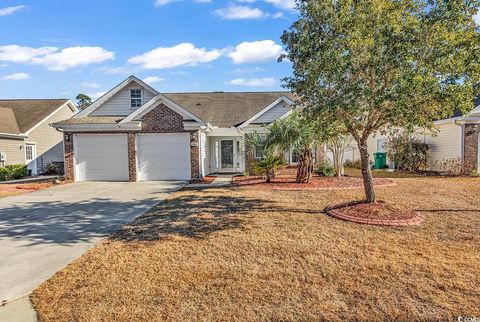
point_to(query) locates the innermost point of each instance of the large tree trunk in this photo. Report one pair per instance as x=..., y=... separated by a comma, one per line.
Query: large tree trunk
x=305, y=166
x=366, y=173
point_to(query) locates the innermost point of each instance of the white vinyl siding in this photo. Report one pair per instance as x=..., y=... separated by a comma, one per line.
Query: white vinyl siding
x=14, y=149
x=445, y=145
x=120, y=103
x=163, y=156
x=49, y=141
x=102, y=157
x=204, y=154
x=272, y=114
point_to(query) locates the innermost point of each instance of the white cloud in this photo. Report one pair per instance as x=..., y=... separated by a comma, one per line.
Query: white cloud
x=159, y=3
x=233, y=12
x=90, y=85
x=256, y=82
x=278, y=15
x=54, y=59
x=203, y=1
x=21, y=54
x=16, y=76
x=152, y=79
x=74, y=56
x=96, y=95
x=10, y=10
x=256, y=51
x=118, y=70
x=282, y=4
x=178, y=55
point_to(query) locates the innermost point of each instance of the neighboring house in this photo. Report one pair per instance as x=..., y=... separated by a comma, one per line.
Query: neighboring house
x=26, y=136
x=135, y=133
x=455, y=138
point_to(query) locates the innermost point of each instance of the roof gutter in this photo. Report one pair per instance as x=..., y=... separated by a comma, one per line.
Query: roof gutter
x=97, y=127
x=13, y=136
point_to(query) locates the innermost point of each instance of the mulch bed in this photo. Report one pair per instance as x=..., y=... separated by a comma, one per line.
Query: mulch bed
x=376, y=213
x=205, y=180
x=285, y=180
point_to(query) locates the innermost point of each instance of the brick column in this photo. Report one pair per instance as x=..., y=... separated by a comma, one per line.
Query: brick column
x=68, y=156
x=195, y=155
x=470, y=147
x=132, y=157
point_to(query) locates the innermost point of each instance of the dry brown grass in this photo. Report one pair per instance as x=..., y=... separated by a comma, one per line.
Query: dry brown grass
x=236, y=255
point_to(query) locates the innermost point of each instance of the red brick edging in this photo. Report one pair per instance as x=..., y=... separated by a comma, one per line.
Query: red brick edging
x=332, y=210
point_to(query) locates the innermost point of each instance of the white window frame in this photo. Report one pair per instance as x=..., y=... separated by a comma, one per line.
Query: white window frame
x=136, y=98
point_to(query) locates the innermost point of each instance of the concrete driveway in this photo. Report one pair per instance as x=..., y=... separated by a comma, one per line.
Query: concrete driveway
x=41, y=232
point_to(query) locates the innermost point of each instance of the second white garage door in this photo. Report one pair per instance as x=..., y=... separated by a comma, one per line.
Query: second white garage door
x=163, y=156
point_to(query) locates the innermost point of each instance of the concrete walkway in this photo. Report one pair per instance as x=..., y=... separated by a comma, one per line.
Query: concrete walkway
x=43, y=231
x=222, y=180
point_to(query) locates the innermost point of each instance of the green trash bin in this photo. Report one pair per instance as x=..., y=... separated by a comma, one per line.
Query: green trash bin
x=380, y=160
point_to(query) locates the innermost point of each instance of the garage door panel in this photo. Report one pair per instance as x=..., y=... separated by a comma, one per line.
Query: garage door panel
x=163, y=156
x=101, y=157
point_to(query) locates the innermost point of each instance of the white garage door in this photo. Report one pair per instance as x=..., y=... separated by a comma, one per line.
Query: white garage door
x=101, y=157
x=163, y=156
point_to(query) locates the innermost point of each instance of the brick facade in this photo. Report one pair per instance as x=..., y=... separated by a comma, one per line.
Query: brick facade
x=195, y=155
x=132, y=157
x=159, y=120
x=470, y=147
x=68, y=155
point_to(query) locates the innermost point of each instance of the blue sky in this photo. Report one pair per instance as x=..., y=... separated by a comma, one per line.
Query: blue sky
x=60, y=48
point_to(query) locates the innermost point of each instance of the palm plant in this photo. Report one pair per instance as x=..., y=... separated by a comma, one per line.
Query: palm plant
x=268, y=165
x=299, y=133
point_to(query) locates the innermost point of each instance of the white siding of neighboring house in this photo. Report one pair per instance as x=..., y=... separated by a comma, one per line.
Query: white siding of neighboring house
x=445, y=145
x=119, y=104
x=48, y=140
x=204, y=154
x=272, y=114
x=15, y=150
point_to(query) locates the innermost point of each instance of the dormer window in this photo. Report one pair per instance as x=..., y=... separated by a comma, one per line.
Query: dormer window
x=135, y=98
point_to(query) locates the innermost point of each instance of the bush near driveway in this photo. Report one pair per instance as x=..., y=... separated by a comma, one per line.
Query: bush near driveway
x=242, y=255
x=13, y=171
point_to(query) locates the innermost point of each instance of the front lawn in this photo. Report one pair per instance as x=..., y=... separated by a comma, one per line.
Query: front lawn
x=239, y=254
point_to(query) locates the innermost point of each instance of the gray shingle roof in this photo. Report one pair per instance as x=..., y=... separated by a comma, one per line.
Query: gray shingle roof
x=93, y=120
x=226, y=109
x=20, y=115
x=222, y=109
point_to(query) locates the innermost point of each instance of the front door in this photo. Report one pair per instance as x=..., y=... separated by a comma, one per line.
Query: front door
x=31, y=158
x=227, y=156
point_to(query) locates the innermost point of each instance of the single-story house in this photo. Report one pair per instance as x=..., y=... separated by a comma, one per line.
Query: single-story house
x=135, y=133
x=26, y=136
x=455, y=138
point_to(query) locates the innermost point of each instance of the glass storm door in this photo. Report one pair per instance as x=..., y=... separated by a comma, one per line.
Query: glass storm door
x=227, y=155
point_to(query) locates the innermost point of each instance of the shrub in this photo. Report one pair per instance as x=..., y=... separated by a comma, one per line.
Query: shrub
x=357, y=164
x=54, y=168
x=16, y=171
x=407, y=152
x=3, y=174
x=268, y=165
x=474, y=173
x=325, y=169
x=451, y=166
